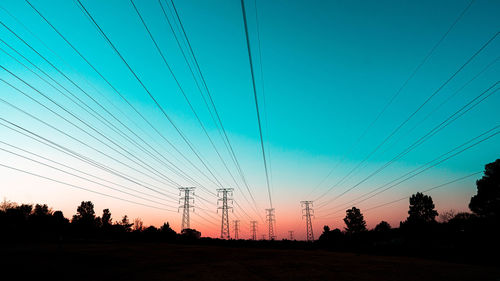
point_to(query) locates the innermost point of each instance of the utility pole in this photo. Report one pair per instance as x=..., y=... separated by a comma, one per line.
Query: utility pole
x=236, y=228
x=224, y=195
x=270, y=220
x=253, y=228
x=188, y=203
x=290, y=232
x=308, y=212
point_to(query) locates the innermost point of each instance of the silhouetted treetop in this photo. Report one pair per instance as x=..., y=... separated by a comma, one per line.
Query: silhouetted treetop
x=190, y=234
x=167, y=231
x=486, y=203
x=382, y=226
x=42, y=210
x=421, y=209
x=125, y=223
x=354, y=221
x=106, y=218
x=85, y=212
x=326, y=229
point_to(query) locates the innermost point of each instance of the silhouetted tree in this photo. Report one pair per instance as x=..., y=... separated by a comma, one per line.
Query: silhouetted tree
x=190, y=234
x=85, y=218
x=150, y=229
x=5, y=204
x=486, y=203
x=41, y=219
x=331, y=238
x=106, y=220
x=125, y=224
x=59, y=218
x=85, y=212
x=16, y=219
x=461, y=221
x=138, y=224
x=354, y=221
x=167, y=232
x=446, y=216
x=383, y=226
x=326, y=229
x=421, y=210
x=24, y=210
x=42, y=210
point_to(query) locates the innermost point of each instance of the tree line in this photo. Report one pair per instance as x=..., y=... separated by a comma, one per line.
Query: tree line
x=39, y=222
x=466, y=234
x=472, y=235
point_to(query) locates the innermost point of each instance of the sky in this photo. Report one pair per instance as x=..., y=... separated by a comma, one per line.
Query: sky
x=324, y=71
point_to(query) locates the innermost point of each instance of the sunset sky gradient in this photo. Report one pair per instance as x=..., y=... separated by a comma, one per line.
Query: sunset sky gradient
x=328, y=68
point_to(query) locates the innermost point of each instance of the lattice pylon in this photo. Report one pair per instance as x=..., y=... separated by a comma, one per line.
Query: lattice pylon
x=270, y=218
x=187, y=204
x=253, y=229
x=225, y=196
x=308, y=213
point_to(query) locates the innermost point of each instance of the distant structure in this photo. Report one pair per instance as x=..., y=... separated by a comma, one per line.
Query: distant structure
x=253, y=229
x=225, y=196
x=270, y=220
x=263, y=237
x=236, y=224
x=188, y=203
x=290, y=233
x=308, y=212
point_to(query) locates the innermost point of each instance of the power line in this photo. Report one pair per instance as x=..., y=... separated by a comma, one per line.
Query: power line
x=266, y=116
x=398, y=92
x=415, y=112
x=78, y=156
x=125, y=100
x=460, y=112
x=83, y=188
x=180, y=87
x=226, y=139
x=448, y=99
x=184, y=138
x=106, y=124
x=183, y=93
x=97, y=90
x=437, y=163
x=80, y=177
x=425, y=191
x=148, y=167
x=80, y=171
x=69, y=112
x=256, y=101
x=423, y=165
x=128, y=103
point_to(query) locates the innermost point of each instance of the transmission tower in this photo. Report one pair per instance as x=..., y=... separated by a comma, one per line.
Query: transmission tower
x=253, y=228
x=271, y=221
x=308, y=212
x=188, y=203
x=224, y=195
x=236, y=224
x=290, y=232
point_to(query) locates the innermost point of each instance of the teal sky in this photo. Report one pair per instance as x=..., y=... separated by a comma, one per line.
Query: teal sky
x=328, y=68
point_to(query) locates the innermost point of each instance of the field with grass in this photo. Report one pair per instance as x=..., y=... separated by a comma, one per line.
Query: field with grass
x=160, y=261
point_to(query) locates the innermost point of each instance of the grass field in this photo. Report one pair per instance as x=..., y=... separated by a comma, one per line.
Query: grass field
x=158, y=261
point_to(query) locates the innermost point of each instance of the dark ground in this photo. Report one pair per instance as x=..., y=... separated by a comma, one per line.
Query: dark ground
x=159, y=261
